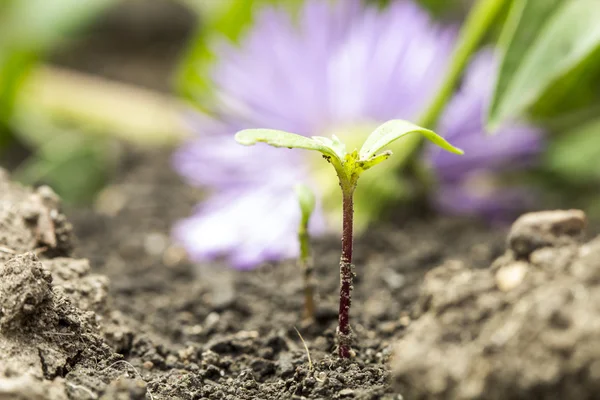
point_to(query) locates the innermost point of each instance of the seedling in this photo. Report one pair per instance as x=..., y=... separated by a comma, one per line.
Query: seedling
x=348, y=166
x=306, y=198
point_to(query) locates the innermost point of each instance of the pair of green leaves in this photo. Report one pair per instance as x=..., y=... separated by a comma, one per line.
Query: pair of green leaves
x=348, y=166
x=544, y=42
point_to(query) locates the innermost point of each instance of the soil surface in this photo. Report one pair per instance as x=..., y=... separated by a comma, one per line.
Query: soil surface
x=441, y=308
x=99, y=304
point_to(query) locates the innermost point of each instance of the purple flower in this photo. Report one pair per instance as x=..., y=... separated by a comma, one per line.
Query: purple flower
x=337, y=66
x=469, y=184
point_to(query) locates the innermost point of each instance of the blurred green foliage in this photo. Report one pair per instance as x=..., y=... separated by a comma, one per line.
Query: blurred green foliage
x=523, y=25
x=570, y=171
x=550, y=70
x=75, y=165
x=575, y=156
x=29, y=30
x=546, y=44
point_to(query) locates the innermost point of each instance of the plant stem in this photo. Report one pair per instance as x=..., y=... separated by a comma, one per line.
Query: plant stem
x=346, y=275
x=307, y=271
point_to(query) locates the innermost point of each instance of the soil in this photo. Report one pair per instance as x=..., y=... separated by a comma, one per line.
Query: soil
x=441, y=309
x=99, y=304
x=237, y=330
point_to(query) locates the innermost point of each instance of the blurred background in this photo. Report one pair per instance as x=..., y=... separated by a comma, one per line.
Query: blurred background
x=78, y=80
x=81, y=82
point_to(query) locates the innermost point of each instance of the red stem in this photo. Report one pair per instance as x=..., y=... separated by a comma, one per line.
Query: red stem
x=346, y=276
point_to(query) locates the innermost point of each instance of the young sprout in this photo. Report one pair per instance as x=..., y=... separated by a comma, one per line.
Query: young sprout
x=306, y=198
x=348, y=166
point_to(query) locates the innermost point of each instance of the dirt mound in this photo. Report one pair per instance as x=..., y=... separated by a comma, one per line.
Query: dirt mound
x=528, y=327
x=51, y=309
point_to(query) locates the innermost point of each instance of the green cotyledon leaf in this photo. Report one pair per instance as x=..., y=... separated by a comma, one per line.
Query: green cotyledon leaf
x=393, y=130
x=276, y=138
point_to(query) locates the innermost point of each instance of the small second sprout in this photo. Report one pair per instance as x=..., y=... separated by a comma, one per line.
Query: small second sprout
x=306, y=198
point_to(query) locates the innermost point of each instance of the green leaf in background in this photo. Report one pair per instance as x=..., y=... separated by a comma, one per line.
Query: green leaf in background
x=76, y=177
x=525, y=21
x=76, y=166
x=566, y=33
x=28, y=30
x=219, y=19
x=573, y=99
x=575, y=155
x=73, y=164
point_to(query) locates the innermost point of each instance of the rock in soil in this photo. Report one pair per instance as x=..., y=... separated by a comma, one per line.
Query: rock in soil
x=518, y=330
x=546, y=228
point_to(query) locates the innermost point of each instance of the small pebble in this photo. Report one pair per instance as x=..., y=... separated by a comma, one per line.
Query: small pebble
x=148, y=364
x=393, y=279
x=511, y=276
x=171, y=360
x=387, y=327
x=155, y=243
x=211, y=320
x=404, y=320
x=321, y=377
x=545, y=228
x=174, y=255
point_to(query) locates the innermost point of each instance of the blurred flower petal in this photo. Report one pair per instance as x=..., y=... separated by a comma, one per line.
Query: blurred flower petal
x=245, y=226
x=514, y=146
x=341, y=64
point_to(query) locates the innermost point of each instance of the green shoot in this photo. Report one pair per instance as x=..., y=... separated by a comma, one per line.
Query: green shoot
x=348, y=167
x=306, y=198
